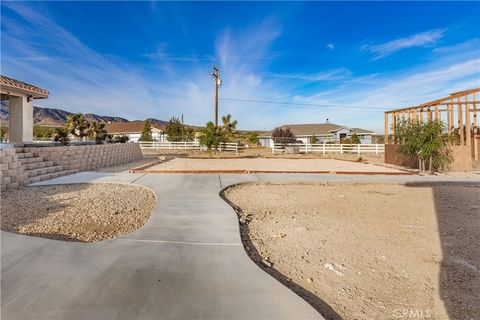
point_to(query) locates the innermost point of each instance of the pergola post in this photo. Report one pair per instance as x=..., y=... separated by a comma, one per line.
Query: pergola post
x=467, y=123
x=21, y=119
x=20, y=96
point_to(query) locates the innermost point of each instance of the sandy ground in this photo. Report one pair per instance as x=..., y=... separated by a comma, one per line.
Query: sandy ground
x=368, y=251
x=260, y=152
x=78, y=212
x=268, y=165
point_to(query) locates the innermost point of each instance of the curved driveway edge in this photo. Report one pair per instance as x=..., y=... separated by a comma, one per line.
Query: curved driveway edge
x=187, y=262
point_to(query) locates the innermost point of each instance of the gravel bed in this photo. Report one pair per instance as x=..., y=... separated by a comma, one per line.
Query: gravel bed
x=76, y=212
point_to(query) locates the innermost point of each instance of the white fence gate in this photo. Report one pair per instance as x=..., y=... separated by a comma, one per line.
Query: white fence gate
x=325, y=148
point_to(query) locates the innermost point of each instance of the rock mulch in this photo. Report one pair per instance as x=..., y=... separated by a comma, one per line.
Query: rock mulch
x=368, y=251
x=77, y=212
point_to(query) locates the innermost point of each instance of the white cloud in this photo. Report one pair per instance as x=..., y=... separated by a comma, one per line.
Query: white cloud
x=330, y=46
x=82, y=80
x=423, y=39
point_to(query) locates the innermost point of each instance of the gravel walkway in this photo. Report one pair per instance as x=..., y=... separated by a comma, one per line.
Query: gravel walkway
x=78, y=212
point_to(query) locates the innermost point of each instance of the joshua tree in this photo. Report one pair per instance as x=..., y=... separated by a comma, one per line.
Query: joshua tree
x=77, y=125
x=61, y=135
x=97, y=131
x=228, y=126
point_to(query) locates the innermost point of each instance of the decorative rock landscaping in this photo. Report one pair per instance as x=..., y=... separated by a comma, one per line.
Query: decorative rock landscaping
x=78, y=212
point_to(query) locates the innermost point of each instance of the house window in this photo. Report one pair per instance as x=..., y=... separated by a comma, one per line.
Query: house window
x=343, y=136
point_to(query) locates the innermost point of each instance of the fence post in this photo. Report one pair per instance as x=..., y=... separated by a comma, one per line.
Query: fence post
x=358, y=146
x=273, y=147
x=324, y=148
x=376, y=148
x=341, y=149
x=185, y=145
x=169, y=145
x=236, y=148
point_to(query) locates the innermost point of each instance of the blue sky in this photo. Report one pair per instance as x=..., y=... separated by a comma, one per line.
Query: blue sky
x=153, y=59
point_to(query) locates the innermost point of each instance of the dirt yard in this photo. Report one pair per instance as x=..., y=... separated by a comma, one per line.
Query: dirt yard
x=368, y=251
x=267, y=165
x=261, y=152
x=78, y=212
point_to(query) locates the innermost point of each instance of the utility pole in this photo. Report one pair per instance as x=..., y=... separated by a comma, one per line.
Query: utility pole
x=218, y=82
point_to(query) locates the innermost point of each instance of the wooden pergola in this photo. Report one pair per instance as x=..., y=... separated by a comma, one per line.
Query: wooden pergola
x=459, y=111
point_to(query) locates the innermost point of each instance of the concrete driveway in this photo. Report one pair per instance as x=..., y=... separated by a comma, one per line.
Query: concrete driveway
x=187, y=262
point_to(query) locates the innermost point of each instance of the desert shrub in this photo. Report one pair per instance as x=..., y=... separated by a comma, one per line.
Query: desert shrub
x=283, y=136
x=313, y=139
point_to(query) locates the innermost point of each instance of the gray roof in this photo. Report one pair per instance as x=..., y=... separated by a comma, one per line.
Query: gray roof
x=317, y=129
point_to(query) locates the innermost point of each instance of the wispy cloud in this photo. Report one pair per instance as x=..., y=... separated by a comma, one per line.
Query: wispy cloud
x=83, y=80
x=330, y=46
x=423, y=39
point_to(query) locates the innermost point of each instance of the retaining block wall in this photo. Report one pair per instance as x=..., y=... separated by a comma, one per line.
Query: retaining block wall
x=79, y=158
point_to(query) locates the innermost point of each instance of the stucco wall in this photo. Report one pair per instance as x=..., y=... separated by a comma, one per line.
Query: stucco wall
x=78, y=158
x=461, y=158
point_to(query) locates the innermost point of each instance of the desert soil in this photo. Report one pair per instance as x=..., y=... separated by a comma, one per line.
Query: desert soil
x=76, y=212
x=368, y=251
x=270, y=165
x=260, y=152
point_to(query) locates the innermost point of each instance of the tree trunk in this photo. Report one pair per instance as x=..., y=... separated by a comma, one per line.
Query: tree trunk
x=430, y=165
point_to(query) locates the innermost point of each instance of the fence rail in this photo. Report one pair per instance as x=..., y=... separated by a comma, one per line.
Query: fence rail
x=329, y=148
x=187, y=145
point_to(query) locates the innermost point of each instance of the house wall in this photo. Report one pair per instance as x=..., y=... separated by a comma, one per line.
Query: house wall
x=80, y=158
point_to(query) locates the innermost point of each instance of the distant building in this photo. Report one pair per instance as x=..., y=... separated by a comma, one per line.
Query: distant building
x=134, y=130
x=324, y=132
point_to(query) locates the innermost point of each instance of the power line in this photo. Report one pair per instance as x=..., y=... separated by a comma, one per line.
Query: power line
x=304, y=104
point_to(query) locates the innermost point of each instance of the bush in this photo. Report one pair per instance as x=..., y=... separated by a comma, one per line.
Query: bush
x=426, y=142
x=283, y=136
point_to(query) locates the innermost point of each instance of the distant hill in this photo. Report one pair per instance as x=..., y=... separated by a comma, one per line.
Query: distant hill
x=52, y=117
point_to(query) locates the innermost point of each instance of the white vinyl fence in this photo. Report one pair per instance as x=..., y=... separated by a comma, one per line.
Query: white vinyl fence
x=187, y=145
x=325, y=148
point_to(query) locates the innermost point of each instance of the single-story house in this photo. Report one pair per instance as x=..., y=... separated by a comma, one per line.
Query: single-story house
x=133, y=130
x=324, y=132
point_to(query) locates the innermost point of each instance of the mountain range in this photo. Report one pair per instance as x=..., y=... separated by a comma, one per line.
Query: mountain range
x=51, y=117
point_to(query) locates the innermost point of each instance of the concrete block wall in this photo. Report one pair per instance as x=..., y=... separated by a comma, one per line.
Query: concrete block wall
x=12, y=172
x=89, y=157
x=78, y=158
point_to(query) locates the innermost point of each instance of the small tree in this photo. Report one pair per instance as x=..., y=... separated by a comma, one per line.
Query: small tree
x=228, y=127
x=313, y=139
x=62, y=135
x=97, y=132
x=77, y=125
x=146, y=132
x=211, y=137
x=174, y=129
x=283, y=136
x=426, y=142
